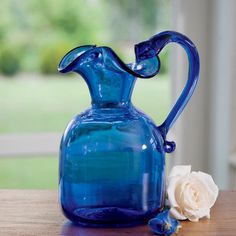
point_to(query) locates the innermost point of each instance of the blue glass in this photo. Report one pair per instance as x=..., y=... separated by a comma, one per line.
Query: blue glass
x=112, y=156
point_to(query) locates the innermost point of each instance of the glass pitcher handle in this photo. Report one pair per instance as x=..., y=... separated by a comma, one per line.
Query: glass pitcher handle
x=155, y=45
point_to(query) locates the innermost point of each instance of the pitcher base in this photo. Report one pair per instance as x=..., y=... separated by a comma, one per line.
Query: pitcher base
x=109, y=217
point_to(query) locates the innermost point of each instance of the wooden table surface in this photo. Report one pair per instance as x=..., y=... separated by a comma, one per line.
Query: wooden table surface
x=37, y=212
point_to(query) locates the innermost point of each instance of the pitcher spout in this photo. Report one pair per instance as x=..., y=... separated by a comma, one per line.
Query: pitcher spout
x=69, y=61
x=107, y=77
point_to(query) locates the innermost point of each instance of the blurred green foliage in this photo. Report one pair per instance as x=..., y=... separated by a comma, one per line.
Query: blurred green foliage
x=50, y=56
x=9, y=61
x=164, y=58
x=43, y=30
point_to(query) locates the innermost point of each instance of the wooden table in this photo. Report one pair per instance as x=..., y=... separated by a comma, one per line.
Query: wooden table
x=36, y=212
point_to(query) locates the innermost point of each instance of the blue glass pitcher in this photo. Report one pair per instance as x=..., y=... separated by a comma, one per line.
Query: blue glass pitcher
x=112, y=156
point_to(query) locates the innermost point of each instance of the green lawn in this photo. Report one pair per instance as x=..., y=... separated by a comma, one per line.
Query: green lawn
x=47, y=105
x=32, y=172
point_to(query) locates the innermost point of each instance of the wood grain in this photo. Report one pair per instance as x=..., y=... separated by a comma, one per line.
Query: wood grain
x=37, y=212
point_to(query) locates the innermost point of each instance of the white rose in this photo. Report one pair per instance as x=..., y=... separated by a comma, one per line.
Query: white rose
x=190, y=194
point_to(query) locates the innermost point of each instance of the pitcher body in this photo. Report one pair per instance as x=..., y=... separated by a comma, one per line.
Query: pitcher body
x=112, y=168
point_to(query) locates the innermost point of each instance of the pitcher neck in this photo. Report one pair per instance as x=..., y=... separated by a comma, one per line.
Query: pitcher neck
x=110, y=105
x=109, y=90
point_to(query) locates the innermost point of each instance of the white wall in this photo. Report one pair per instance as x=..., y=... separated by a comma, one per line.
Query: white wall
x=203, y=131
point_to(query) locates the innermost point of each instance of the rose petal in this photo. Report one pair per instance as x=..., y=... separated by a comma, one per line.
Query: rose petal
x=187, y=198
x=193, y=218
x=176, y=214
x=208, y=189
x=180, y=170
x=213, y=189
x=175, y=174
x=200, y=213
x=173, y=182
x=208, y=216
